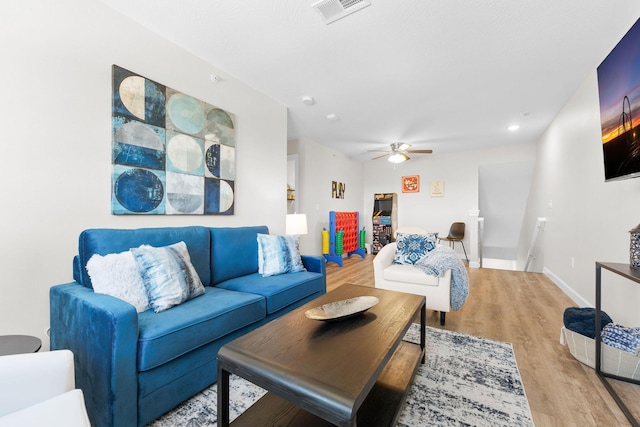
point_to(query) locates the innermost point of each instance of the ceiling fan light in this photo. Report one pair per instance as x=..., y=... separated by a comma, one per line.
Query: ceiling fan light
x=398, y=158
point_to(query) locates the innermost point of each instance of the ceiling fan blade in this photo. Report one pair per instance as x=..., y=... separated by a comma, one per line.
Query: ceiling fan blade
x=420, y=151
x=380, y=151
x=403, y=146
x=379, y=157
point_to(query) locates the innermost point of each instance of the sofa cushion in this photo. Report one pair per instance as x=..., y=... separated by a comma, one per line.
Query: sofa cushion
x=103, y=241
x=278, y=255
x=408, y=274
x=234, y=252
x=118, y=275
x=279, y=291
x=168, y=275
x=172, y=333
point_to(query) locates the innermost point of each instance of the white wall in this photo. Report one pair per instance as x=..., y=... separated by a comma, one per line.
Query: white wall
x=292, y=182
x=587, y=219
x=459, y=171
x=504, y=190
x=319, y=166
x=56, y=142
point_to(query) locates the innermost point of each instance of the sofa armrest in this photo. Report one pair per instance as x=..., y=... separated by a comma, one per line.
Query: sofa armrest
x=382, y=260
x=102, y=333
x=316, y=264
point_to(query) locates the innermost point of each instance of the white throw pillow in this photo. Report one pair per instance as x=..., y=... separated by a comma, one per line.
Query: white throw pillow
x=117, y=275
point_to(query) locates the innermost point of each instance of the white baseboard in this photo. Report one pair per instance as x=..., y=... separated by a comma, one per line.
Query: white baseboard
x=566, y=289
x=499, y=264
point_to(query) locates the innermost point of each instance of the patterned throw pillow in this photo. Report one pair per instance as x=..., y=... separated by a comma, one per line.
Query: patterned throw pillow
x=168, y=275
x=410, y=248
x=117, y=275
x=278, y=255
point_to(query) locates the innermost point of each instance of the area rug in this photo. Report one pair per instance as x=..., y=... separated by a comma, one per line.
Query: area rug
x=466, y=381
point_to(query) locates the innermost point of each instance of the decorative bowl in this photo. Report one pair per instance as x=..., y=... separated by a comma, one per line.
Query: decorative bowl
x=343, y=309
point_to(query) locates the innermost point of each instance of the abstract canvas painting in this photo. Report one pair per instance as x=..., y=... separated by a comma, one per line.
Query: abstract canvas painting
x=172, y=154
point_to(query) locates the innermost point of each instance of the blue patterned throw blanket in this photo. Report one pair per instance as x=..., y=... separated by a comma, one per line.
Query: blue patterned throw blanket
x=437, y=262
x=620, y=337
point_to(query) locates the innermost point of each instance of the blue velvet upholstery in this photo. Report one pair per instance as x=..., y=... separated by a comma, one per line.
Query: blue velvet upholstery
x=133, y=367
x=234, y=252
x=280, y=290
x=169, y=334
x=102, y=332
x=105, y=241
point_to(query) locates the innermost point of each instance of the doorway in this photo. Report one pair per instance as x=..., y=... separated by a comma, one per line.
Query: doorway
x=503, y=192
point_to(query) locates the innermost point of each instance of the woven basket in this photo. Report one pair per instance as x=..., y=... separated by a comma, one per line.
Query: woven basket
x=614, y=361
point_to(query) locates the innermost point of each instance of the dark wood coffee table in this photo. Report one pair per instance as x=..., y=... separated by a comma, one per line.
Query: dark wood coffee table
x=351, y=372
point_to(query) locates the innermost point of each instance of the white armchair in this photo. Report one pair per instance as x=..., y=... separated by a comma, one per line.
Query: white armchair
x=39, y=389
x=410, y=279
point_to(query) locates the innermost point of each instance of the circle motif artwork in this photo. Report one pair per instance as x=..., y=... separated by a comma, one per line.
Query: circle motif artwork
x=132, y=94
x=185, y=153
x=172, y=154
x=138, y=190
x=186, y=113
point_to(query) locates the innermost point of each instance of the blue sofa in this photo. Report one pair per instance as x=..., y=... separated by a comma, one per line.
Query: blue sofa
x=133, y=367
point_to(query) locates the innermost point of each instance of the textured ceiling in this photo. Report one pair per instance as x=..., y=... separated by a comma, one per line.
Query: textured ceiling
x=444, y=75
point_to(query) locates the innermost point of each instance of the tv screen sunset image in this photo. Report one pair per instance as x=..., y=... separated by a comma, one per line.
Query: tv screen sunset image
x=619, y=93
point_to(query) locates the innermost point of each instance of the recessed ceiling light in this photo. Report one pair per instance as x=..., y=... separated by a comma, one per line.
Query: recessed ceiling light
x=308, y=100
x=514, y=128
x=333, y=117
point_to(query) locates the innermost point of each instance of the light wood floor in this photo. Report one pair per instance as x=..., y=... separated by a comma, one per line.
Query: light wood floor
x=526, y=310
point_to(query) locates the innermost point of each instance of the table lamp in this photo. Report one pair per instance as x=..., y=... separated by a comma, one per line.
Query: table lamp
x=296, y=224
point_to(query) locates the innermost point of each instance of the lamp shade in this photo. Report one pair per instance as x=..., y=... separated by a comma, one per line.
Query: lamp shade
x=296, y=224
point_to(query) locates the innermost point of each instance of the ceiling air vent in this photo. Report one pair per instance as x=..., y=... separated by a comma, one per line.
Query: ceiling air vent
x=332, y=10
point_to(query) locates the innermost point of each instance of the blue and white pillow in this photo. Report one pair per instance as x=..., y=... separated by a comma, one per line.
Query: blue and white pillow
x=410, y=248
x=168, y=275
x=278, y=255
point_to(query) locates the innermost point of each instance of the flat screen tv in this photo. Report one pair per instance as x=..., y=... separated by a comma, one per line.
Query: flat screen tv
x=619, y=92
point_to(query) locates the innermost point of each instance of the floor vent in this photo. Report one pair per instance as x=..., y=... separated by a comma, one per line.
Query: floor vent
x=332, y=10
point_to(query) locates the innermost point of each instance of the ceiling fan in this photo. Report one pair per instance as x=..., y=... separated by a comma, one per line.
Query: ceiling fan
x=398, y=153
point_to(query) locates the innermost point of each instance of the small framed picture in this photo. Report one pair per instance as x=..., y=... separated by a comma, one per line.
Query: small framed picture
x=411, y=184
x=437, y=188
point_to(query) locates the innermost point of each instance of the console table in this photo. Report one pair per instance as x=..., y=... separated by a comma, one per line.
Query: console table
x=626, y=271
